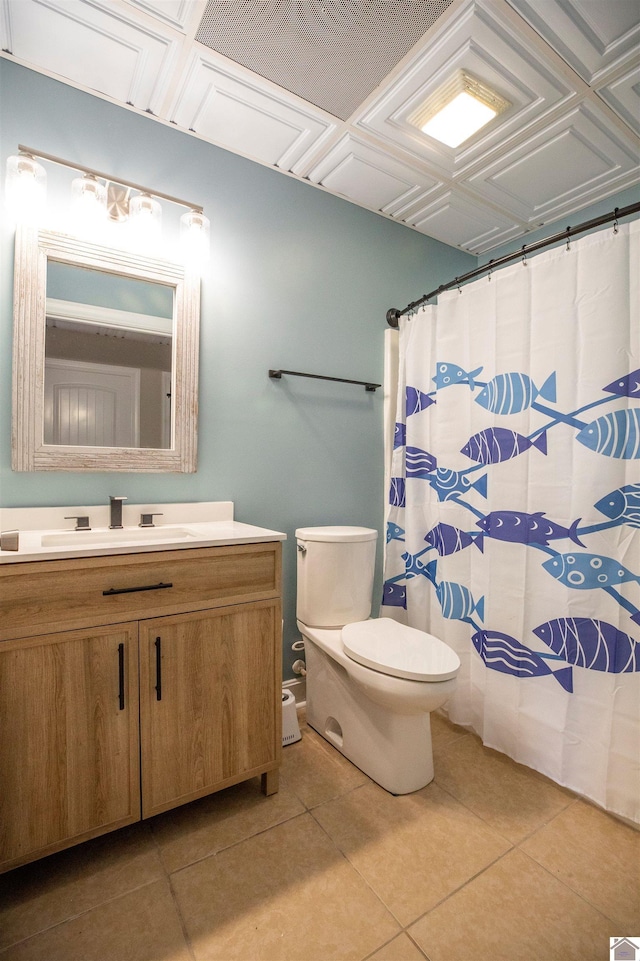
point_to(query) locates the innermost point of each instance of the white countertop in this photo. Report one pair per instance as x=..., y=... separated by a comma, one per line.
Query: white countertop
x=44, y=534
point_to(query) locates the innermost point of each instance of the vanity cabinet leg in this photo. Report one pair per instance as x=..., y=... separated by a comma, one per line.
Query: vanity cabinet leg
x=269, y=782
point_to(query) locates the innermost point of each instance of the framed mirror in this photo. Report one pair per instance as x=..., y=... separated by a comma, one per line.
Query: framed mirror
x=105, y=358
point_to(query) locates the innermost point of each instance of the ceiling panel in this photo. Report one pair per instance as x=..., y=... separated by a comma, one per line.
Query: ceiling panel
x=462, y=222
x=83, y=42
x=224, y=104
x=520, y=182
x=368, y=176
x=590, y=35
x=623, y=95
x=323, y=91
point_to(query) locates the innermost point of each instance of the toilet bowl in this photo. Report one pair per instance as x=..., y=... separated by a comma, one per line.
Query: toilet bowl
x=371, y=682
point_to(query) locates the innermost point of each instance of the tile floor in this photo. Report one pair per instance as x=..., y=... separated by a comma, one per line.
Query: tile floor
x=491, y=861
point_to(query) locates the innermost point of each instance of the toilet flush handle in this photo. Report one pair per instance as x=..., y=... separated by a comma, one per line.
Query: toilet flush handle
x=302, y=548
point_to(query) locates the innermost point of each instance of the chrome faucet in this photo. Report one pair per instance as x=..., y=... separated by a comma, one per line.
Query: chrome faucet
x=116, y=512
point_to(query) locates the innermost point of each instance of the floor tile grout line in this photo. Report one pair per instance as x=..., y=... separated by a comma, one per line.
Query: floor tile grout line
x=492, y=826
x=183, y=923
x=234, y=844
x=79, y=914
x=460, y=887
x=545, y=824
x=365, y=881
x=570, y=887
x=176, y=903
x=386, y=944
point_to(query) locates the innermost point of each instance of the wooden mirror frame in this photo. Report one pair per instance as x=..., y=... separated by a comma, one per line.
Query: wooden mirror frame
x=33, y=248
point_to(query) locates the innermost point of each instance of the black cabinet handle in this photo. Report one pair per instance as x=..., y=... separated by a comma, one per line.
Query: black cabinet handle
x=121, y=676
x=133, y=590
x=158, y=669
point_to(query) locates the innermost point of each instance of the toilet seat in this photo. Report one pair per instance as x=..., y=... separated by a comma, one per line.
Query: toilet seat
x=400, y=651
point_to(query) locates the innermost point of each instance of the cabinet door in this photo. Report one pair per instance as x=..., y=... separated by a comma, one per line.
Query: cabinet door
x=210, y=702
x=69, y=747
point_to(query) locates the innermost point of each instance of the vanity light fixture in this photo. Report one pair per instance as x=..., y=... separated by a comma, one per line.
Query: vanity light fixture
x=114, y=200
x=458, y=109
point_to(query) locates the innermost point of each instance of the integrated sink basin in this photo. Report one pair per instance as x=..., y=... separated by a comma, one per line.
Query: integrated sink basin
x=137, y=535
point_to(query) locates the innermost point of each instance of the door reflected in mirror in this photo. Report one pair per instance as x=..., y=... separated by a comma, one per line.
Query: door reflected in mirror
x=108, y=350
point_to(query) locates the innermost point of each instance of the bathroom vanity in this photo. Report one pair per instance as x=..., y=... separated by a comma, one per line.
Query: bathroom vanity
x=134, y=677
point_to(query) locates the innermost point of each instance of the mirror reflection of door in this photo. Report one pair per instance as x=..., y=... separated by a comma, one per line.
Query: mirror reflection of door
x=91, y=405
x=108, y=357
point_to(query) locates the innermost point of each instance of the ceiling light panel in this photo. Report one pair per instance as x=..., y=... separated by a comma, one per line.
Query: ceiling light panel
x=458, y=109
x=332, y=53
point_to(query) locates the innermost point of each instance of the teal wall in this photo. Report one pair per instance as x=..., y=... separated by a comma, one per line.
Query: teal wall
x=298, y=279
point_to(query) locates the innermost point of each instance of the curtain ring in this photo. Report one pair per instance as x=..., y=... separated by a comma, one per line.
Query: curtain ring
x=568, y=238
x=490, y=270
x=615, y=222
x=524, y=256
x=459, y=287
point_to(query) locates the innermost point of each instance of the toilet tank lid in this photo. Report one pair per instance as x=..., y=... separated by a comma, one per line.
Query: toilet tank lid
x=336, y=534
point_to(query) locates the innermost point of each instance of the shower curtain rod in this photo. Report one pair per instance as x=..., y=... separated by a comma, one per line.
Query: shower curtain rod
x=393, y=314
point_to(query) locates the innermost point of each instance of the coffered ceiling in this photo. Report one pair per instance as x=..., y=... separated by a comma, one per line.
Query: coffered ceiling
x=322, y=90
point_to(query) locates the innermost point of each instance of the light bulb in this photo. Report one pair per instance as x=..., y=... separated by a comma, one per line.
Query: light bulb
x=195, y=231
x=145, y=221
x=89, y=204
x=25, y=188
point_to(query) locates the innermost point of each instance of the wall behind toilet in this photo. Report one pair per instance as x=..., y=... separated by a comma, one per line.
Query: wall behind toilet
x=298, y=279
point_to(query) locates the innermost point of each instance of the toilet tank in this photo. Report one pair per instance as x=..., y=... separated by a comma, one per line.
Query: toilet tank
x=335, y=575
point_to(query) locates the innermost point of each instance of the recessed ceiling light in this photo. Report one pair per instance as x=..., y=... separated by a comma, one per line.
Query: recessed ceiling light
x=458, y=109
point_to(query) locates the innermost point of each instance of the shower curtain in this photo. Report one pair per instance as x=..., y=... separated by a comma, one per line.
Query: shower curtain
x=513, y=522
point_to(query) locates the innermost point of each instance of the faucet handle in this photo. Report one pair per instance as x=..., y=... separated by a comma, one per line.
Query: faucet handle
x=82, y=522
x=112, y=497
x=146, y=520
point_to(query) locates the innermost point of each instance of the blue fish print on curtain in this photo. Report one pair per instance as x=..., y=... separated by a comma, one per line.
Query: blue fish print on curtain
x=590, y=643
x=503, y=653
x=397, y=492
x=497, y=444
x=449, y=374
x=511, y=393
x=399, y=435
x=449, y=540
x=615, y=435
x=416, y=400
x=628, y=386
x=419, y=463
x=588, y=571
x=394, y=533
x=449, y=484
x=521, y=528
x=581, y=642
x=394, y=595
x=622, y=505
x=456, y=601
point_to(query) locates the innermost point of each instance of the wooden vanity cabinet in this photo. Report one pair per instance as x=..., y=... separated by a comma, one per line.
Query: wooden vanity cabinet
x=147, y=699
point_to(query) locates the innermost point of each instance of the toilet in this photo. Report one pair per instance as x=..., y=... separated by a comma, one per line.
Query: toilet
x=371, y=682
